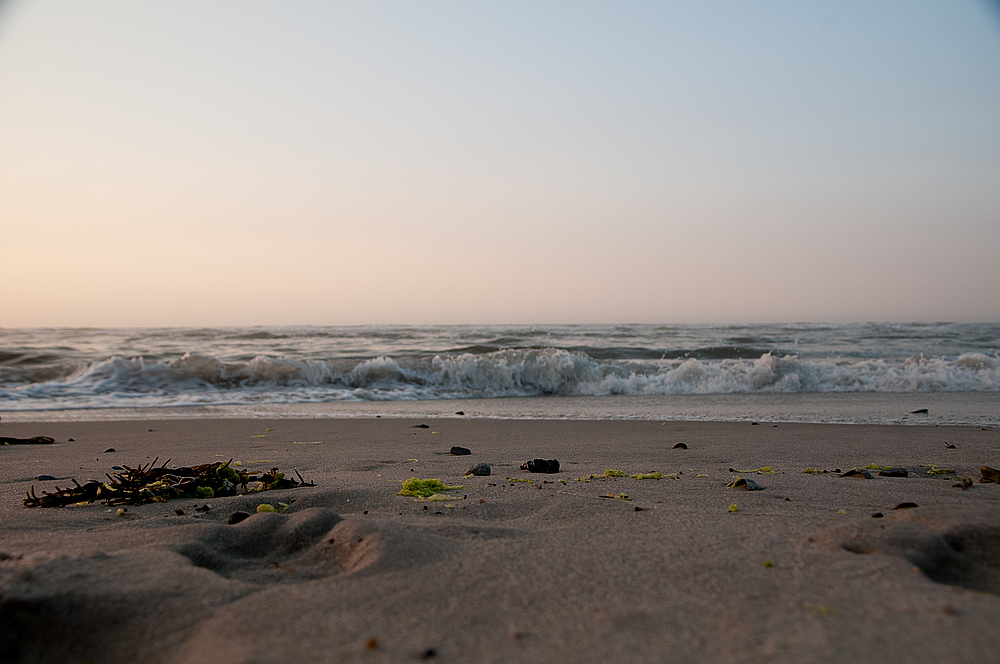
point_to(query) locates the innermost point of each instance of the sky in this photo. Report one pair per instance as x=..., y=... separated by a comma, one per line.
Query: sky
x=247, y=162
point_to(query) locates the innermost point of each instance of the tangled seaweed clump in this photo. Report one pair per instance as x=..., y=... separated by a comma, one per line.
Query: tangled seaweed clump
x=156, y=484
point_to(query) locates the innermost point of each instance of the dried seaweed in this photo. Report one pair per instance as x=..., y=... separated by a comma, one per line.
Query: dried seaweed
x=156, y=484
x=35, y=440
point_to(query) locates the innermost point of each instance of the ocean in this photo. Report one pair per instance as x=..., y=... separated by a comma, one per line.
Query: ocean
x=857, y=373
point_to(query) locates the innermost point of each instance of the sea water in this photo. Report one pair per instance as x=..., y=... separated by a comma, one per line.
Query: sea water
x=857, y=373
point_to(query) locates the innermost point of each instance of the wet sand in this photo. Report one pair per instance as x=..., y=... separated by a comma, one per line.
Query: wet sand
x=540, y=571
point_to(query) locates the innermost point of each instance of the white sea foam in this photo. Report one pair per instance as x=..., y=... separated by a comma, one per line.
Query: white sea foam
x=200, y=379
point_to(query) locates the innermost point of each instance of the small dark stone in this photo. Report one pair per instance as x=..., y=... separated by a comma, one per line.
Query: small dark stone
x=877, y=515
x=950, y=446
x=45, y=478
x=71, y=440
x=480, y=470
x=905, y=506
x=550, y=466
x=180, y=512
x=680, y=446
x=236, y=517
x=460, y=412
x=919, y=411
x=110, y=449
x=421, y=426
x=148, y=429
x=836, y=470
x=640, y=509
x=894, y=472
x=755, y=424
x=858, y=473
x=203, y=508
x=460, y=451
x=430, y=653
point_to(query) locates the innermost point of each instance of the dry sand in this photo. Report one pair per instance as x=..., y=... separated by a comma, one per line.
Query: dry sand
x=539, y=571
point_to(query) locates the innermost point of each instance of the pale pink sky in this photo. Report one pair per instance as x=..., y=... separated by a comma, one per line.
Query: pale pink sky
x=237, y=163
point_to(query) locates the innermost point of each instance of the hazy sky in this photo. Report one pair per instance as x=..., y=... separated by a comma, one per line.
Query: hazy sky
x=235, y=163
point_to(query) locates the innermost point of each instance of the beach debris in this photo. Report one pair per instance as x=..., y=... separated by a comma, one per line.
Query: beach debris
x=647, y=476
x=45, y=478
x=154, y=484
x=858, y=473
x=460, y=412
x=611, y=472
x=514, y=479
x=814, y=471
x=950, y=446
x=480, y=470
x=680, y=446
x=919, y=411
x=744, y=484
x=35, y=440
x=179, y=512
x=763, y=470
x=989, y=475
x=755, y=424
x=460, y=451
x=768, y=563
x=733, y=508
x=428, y=489
x=934, y=471
x=875, y=466
x=264, y=507
x=110, y=449
x=121, y=511
x=549, y=466
x=877, y=515
x=616, y=496
x=894, y=472
x=965, y=484
x=841, y=512
x=905, y=506
x=421, y=426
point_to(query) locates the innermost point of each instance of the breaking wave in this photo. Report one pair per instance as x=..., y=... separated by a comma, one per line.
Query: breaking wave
x=196, y=379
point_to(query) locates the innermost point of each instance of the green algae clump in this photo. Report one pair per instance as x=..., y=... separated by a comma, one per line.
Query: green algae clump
x=419, y=488
x=647, y=476
x=611, y=472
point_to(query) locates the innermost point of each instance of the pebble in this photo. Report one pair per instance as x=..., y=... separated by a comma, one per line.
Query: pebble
x=680, y=446
x=45, y=478
x=905, y=506
x=480, y=470
x=110, y=449
x=460, y=451
x=421, y=426
x=894, y=472
x=859, y=473
x=744, y=484
x=236, y=517
x=117, y=468
x=550, y=466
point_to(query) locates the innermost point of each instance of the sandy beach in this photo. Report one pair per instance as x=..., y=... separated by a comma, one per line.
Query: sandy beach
x=545, y=570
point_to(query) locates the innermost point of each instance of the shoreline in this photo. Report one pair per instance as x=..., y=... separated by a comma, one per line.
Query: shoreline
x=945, y=408
x=540, y=570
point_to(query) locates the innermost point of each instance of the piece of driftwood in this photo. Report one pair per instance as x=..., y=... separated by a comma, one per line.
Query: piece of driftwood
x=154, y=484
